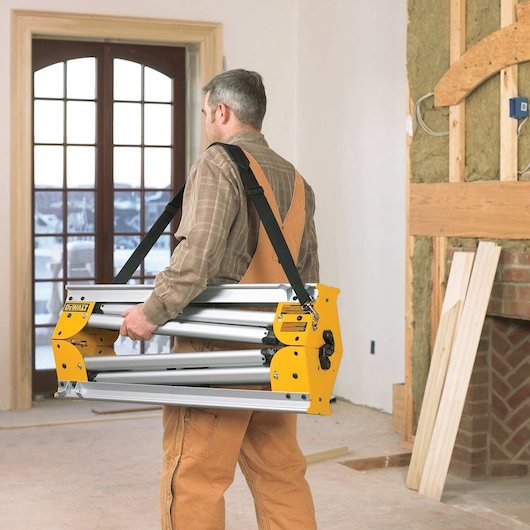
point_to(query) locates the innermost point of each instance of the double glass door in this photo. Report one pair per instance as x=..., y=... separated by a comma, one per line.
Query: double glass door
x=109, y=154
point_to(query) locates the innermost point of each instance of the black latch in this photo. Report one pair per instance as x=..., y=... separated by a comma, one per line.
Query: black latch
x=326, y=350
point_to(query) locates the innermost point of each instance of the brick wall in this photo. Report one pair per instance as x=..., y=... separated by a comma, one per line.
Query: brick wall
x=494, y=434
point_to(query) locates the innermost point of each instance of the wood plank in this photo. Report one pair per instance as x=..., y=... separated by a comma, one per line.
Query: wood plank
x=455, y=294
x=500, y=49
x=461, y=363
x=378, y=462
x=319, y=456
x=509, y=89
x=496, y=210
x=433, y=391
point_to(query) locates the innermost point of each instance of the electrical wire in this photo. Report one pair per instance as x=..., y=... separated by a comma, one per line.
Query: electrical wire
x=524, y=171
x=419, y=119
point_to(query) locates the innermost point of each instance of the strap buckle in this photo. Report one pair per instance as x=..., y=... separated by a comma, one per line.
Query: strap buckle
x=308, y=306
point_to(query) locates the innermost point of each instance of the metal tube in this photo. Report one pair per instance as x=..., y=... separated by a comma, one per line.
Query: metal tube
x=239, y=317
x=175, y=360
x=190, y=329
x=192, y=376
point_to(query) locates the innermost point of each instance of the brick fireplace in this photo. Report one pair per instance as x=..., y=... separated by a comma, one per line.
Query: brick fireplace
x=494, y=434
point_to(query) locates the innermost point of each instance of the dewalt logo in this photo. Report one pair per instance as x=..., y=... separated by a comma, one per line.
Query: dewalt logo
x=76, y=307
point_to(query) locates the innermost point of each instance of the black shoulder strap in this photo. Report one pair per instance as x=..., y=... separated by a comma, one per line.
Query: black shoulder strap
x=274, y=232
x=171, y=209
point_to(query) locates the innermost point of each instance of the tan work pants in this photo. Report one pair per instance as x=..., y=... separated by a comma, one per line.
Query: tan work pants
x=201, y=450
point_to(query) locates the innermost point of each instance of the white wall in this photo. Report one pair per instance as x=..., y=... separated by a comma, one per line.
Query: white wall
x=335, y=77
x=351, y=146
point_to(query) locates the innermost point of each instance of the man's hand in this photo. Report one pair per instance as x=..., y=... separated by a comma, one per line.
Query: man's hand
x=135, y=324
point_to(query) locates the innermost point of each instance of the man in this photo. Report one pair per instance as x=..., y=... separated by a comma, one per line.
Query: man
x=218, y=243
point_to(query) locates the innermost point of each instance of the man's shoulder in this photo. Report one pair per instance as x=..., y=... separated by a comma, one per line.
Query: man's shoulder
x=214, y=155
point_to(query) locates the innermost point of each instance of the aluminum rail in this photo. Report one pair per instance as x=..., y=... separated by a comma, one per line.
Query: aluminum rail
x=223, y=398
x=250, y=294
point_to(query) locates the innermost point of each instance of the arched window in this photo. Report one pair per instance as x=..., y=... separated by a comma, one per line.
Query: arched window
x=109, y=154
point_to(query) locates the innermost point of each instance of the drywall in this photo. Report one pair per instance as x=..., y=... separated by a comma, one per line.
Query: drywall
x=352, y=144
x=335, y=76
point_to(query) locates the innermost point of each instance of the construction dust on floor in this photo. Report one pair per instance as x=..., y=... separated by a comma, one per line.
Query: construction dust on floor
x=95, y=466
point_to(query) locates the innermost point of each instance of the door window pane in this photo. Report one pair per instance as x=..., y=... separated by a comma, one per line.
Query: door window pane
x=158, y=257
x=127, y=80
x=48, y=257
x=80, y=167
x=80, y=257
x=155, y=203
x=48, y=301
x=80, y=211
x=49, y=122
x=126, y=211
x=44, y=359
x=124, y=246
x=48, y=212
x=127, y=123
x=81, y=78
x=48, y=82
x=157, y=171
x=81, y=122
x=49, y=166
x=157, y=124
x=127, y=167
x=158, y=86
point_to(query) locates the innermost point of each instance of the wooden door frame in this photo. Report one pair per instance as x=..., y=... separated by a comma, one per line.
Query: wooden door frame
x=204, y=37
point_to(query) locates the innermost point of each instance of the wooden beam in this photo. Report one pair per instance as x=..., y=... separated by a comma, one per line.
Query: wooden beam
x=408, y=405
x=500, y=49
x=457, y=125
x=496, y=210
x=509, y=89
x=461, y=363
x=455, y=294
x=438, y=273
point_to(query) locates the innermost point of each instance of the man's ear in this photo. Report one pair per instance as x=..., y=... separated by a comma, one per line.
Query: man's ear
x=224, y=112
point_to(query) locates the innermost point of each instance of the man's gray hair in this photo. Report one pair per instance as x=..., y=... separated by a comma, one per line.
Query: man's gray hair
x=243, y=92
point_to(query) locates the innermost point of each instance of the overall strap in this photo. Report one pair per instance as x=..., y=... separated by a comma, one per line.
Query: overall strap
x=270, y=223
x=265, y=266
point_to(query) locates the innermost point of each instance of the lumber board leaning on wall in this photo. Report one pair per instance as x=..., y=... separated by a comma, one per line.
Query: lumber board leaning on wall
x=461, y=363
x=455, y=294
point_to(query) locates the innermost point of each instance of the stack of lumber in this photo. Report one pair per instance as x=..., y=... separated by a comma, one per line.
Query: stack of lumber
x=455, y=349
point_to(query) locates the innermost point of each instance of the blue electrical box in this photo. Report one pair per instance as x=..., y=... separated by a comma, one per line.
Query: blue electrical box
x=518, y=107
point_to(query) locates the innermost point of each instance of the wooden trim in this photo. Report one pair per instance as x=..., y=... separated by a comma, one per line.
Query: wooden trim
x=26, y=25
x=505, y=47
x=497, y=210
